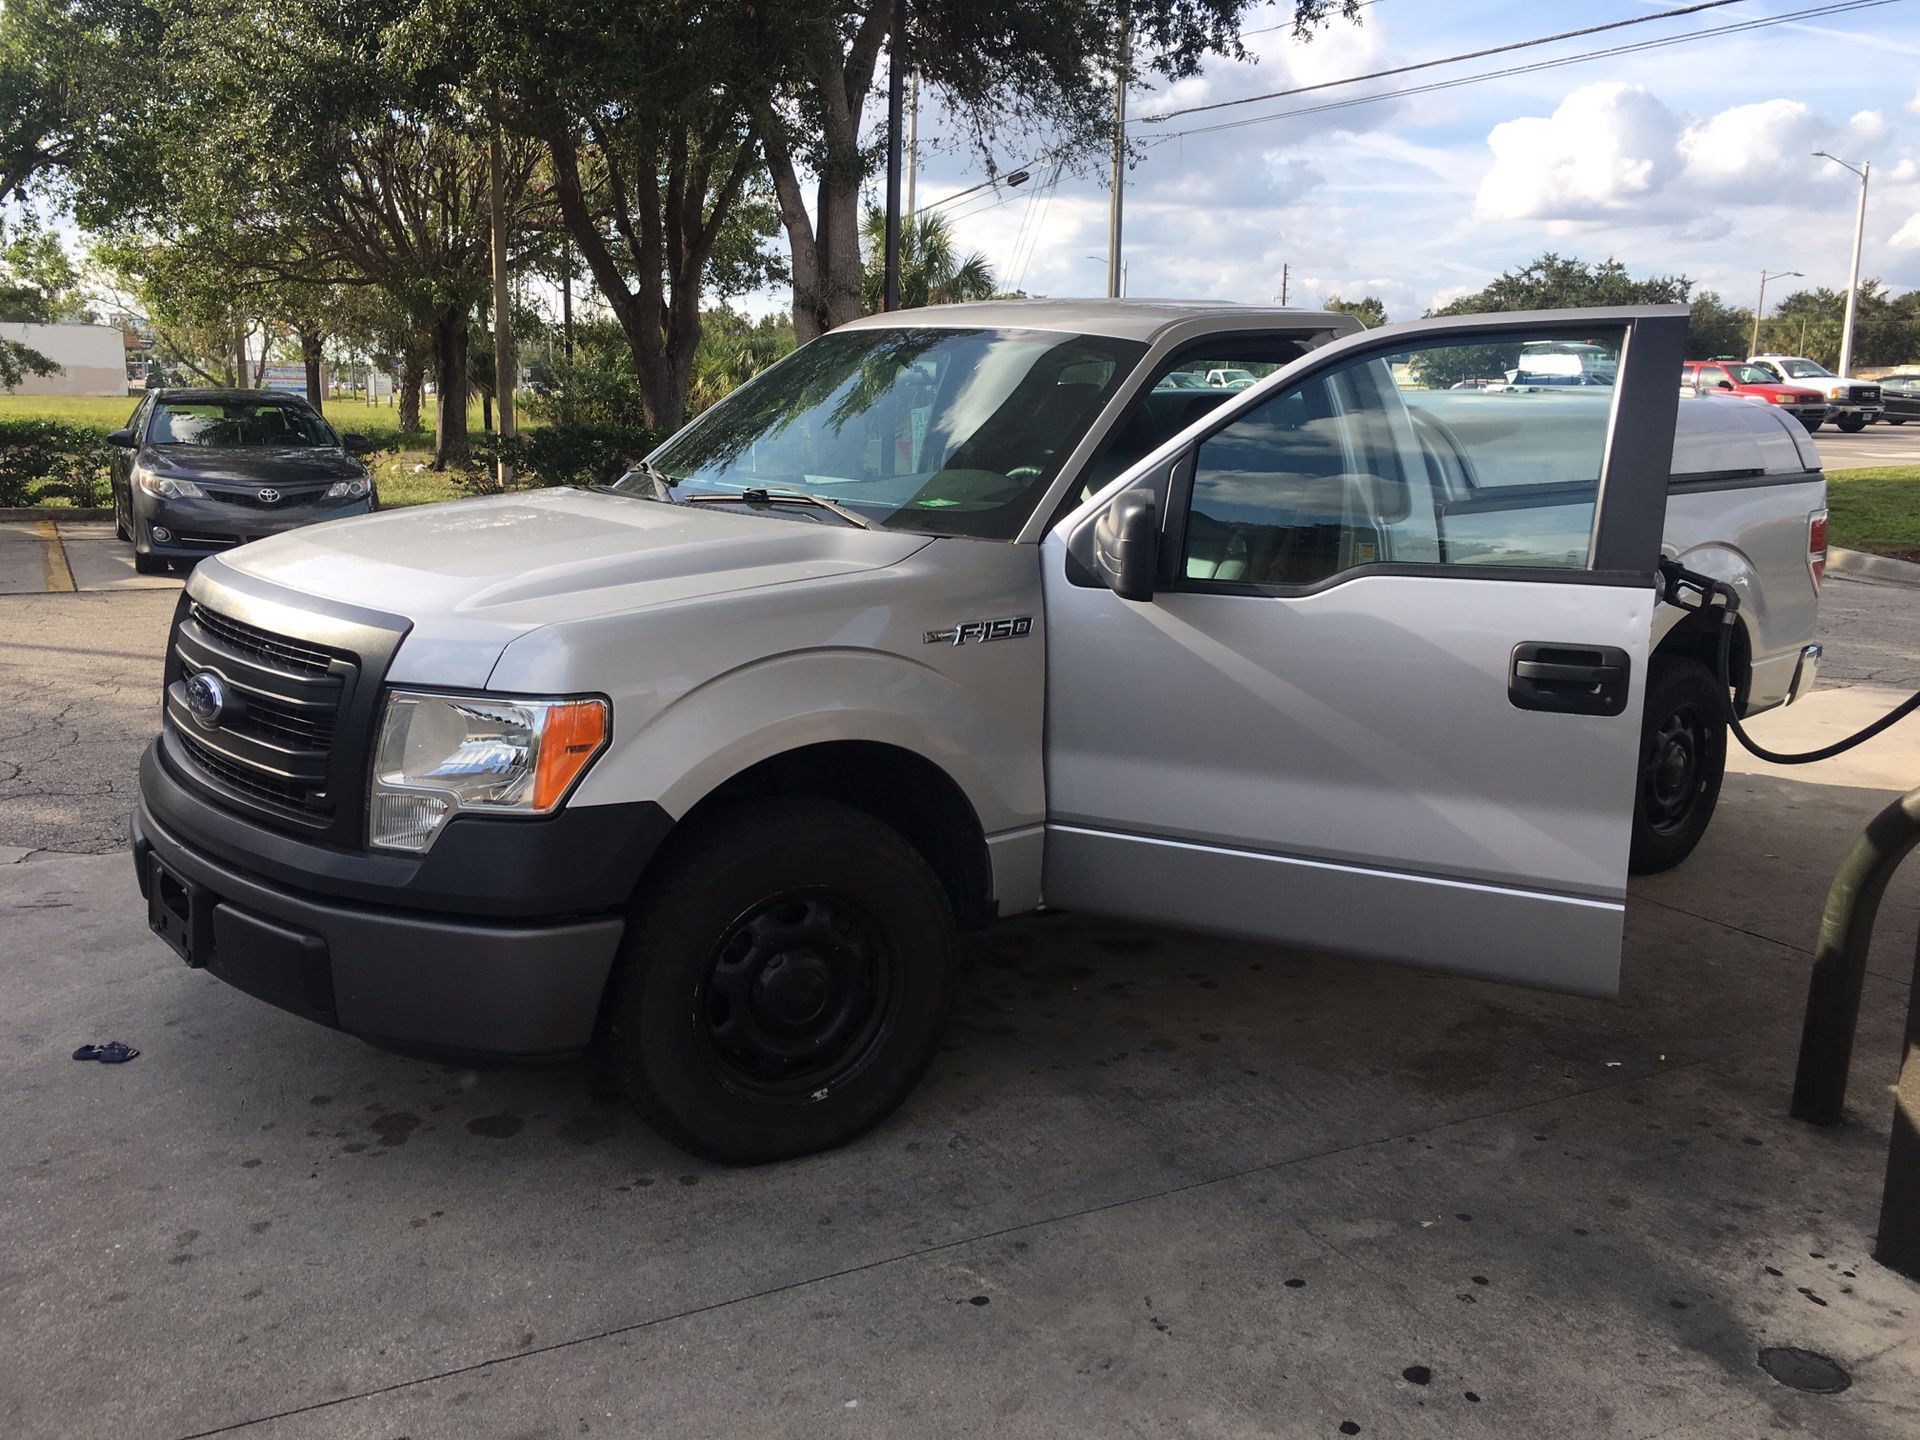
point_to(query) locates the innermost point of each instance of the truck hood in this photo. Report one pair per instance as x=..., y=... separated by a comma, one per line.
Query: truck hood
x=474, y=575
x=251, y=464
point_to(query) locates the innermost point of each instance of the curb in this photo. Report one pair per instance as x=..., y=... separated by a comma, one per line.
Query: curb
x=57, y=512
x=1873, y=567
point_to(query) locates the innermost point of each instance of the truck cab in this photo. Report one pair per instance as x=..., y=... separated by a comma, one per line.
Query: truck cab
x=957, y=614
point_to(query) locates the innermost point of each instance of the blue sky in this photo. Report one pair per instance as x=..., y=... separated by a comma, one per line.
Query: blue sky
x=1691, y=159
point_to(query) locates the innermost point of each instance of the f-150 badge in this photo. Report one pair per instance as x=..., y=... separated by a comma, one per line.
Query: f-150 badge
x=1011, y=628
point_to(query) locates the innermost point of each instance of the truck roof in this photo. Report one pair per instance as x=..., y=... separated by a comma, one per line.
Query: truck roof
x=1118, y=319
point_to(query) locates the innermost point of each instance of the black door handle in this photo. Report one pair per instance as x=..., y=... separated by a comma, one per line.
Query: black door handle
x=1569, y=679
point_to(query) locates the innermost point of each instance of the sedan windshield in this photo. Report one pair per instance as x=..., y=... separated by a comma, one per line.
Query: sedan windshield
x=237, y=423
x=945, y=432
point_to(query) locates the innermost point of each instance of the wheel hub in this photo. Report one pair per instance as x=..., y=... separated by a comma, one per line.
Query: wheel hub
x=794, y=994
x=1673, y=767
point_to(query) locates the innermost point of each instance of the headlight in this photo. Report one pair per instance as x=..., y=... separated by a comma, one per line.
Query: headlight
x=1779, y=398
x=439, y=754
x=348, y=489
x=1836, y=392
x=167, y=487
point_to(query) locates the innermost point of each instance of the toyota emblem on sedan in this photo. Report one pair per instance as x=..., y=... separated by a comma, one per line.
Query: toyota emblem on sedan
x=269, y=496
x=206, y=697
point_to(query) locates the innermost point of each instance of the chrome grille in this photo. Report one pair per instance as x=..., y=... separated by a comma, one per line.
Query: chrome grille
x=272, y=745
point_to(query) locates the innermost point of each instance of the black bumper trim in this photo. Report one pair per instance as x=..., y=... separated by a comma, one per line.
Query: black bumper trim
x=436, y=983
x=584, y=859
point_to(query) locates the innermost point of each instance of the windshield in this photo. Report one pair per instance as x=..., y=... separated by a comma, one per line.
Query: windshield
x=1749, y=375
x=1804, y=369
x=945, y=432
x=237, y=423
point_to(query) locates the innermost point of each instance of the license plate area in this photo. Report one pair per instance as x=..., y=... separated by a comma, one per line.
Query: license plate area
x=180, y=913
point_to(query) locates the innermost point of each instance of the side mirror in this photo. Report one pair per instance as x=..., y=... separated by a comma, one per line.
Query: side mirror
x=122, y=438
x=1126, y=545
x=356, y=444
x=1724, y=385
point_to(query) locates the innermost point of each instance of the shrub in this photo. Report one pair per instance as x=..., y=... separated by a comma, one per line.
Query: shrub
x=42, y=460
x=556, y=454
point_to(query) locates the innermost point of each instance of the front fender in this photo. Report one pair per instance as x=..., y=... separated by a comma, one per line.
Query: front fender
x=783, y=703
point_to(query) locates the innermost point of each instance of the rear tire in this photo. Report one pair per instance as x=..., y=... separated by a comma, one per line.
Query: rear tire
x=1683, y=759
x=149, y=564
x=783, y=983
x=1852, y=424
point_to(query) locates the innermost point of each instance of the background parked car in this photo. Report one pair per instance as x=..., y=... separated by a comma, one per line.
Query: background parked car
x=1900, y=395
x=1805, y=403
x=1856, y=403
x=197, y=471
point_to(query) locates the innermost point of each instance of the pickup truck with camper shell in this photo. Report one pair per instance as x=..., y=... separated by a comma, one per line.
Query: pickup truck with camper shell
x=957, y=613
x=1856, y=403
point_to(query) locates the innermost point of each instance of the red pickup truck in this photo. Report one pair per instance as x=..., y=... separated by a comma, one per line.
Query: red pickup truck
x=1809, y=407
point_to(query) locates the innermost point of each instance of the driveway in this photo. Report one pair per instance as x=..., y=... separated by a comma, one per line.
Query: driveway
x=1155, y=1185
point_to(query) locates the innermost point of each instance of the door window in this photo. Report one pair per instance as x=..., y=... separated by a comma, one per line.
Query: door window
x=1444, y=455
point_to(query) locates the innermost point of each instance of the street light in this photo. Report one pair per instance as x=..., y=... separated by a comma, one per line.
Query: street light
x=1760, y=305
x=1863, y=170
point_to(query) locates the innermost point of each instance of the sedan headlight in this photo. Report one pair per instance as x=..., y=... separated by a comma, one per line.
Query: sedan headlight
x=349, y=489
x=439, y=754
x=167, y=487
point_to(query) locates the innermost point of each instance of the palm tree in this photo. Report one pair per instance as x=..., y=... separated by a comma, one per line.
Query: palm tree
x=930, y=271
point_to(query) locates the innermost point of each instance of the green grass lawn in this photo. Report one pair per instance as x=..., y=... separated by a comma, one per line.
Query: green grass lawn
x=1875, y=509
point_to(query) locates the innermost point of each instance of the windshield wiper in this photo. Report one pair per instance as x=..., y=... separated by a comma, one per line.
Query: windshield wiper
x=762, y=495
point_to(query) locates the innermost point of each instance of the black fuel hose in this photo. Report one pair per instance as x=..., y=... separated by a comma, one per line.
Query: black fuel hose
x=1678, y=580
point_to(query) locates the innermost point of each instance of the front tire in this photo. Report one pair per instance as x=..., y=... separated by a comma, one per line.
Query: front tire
x=122, y=525
x=1896, y=419
x=1683, y=759
x=1813, y=426
x=1852, y=424
x=783, y=983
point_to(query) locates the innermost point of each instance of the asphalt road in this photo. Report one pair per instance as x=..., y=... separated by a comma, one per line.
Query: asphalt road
x=1875, y=445
x=1155, y=1184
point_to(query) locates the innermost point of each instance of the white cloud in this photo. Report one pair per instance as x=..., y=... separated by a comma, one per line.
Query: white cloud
x=1907, y=237
x=1906, y=170
x=1913, y=105
x=1868, y=126
x=1607, y=148
x=1754, y=153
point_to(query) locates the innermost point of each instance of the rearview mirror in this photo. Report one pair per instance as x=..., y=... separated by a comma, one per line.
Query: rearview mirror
x=122, y=438
x=1126, y=545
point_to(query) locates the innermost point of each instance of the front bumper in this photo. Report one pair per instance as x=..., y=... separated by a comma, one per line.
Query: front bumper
x=411, y=954
x=197, y=528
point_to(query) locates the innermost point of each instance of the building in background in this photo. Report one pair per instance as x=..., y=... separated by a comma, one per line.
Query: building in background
x=92, y=358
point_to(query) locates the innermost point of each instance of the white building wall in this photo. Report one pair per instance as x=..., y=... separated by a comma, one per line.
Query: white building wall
x=92, y=358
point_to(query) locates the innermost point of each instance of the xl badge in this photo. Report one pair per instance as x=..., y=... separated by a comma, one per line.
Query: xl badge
x=1011, y=628
x=206, y=697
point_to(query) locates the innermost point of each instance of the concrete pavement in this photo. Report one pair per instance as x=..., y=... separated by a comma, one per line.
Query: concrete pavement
x=1154, y=1185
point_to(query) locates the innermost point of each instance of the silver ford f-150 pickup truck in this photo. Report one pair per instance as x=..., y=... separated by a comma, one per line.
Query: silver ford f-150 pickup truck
x=957, y=613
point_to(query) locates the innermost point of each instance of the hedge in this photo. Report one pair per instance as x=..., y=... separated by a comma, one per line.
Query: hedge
x=43, y=460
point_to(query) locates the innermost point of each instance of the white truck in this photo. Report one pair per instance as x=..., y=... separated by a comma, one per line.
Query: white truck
x=1856, y=403
x=954, y=614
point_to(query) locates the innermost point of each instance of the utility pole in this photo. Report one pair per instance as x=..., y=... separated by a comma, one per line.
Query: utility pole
x=1286, y=280
x=502, y=301
x=896, y=97
x=913, y=137
x=1864, y=169
x=1760, y=306
x=1116, y=276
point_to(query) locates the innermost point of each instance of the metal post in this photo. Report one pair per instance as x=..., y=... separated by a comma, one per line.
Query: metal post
x=1840, y=959
x=1833, y=1011
x=1116, y=281
x=1898, y=1245
x=896, y=104
x=1853, y=273
x=1759, y=309
x=502, y=301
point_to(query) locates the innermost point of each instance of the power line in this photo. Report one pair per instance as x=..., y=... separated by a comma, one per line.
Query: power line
x=1167, y=115
x=1553, y=64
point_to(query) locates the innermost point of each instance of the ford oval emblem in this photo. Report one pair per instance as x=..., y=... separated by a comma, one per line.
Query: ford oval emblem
x=206, y=697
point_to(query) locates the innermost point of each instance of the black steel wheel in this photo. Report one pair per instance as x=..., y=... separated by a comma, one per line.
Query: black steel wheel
x=783, y=983
x=1683, y=758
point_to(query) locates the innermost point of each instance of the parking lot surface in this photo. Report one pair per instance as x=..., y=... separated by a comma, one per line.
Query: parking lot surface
x=1156, y=1184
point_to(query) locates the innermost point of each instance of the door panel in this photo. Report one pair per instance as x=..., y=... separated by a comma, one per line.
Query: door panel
x=1318, y=732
